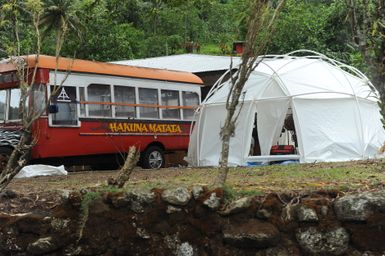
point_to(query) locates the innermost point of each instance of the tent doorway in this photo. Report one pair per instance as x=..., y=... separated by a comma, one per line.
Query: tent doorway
x=286, y=144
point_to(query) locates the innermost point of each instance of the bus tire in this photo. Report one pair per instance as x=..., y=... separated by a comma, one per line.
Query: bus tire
x=153, y=158
x=5, y=153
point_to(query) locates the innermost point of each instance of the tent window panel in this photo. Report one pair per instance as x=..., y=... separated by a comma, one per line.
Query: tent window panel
x=149, y=97
x=3, y=98
x=99, y=93
x=13, y=112
x=124, y=94
x=170, y=98
x=189, y=99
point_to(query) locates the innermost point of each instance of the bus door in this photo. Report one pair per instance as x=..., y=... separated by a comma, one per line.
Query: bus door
x=63, y=108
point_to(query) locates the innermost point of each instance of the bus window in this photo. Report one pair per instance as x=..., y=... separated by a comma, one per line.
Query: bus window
x=39, y=100
x=13, y=112
x=124, y=94
x=189, y=99
x=65, y=99
x=82, y=97
x=148, y=96
x=99, y=93
x=170, y=98
x=3, y=97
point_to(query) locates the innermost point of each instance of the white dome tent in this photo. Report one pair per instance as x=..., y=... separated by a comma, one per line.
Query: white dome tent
x=333, y=105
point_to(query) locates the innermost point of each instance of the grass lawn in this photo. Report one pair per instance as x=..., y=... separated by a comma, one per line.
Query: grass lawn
x=345, y=176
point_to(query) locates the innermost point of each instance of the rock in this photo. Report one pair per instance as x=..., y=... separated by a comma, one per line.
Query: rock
x=197, y=191
x=75, y=199
x=142, y=233
x=263, y=214
x=179, y=196
x=84, y=191
x=306, y=214
x=64, y=193
x=324, y=210
x=41, y=246
x=359, y=207
x=213, y=202
x=171, y=209
x=58, y=224
x=237, y=206
x=119, y=200
x=8, y=194
x=252, y=234
x=185, y=249
x=9, y=242
x=333, y=242
x=286, y=247
x=142, y=196
x=276, y=251
x=139, y=199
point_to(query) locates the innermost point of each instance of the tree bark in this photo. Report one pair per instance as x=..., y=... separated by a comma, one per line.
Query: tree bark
x=258, y=25
x=126, y=170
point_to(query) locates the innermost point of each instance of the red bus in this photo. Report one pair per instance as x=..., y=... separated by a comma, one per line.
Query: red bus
x=98, y=110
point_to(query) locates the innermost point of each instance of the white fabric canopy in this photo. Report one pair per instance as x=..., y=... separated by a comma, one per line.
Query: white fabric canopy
x=334, y=107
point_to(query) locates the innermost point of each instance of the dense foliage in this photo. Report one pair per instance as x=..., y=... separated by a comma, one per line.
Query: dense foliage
x=105, y=30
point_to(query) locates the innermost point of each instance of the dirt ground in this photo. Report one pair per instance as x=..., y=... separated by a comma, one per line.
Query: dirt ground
x=43, y=193
x=346, y=176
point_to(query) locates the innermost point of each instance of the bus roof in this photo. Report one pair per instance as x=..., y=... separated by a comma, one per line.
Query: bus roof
x=94, y=67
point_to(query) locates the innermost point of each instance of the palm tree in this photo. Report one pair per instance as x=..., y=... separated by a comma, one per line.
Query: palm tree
x=59, y=17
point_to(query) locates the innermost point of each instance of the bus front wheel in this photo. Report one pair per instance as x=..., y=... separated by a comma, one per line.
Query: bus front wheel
x=153, y=158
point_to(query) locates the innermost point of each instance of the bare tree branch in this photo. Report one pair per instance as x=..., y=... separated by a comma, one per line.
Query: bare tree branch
x=260, y=26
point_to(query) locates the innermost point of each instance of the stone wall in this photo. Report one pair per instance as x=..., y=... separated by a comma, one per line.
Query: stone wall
x=199, y=222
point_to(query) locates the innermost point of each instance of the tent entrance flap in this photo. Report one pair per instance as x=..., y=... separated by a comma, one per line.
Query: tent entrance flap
x=271, y=116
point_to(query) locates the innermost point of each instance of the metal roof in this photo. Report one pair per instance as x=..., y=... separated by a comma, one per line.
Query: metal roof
x=194, y=63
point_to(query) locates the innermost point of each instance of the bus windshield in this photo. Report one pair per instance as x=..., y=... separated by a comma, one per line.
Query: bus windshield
x=10, y=101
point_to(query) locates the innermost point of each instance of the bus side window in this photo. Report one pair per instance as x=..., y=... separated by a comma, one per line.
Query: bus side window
x=13, y=111
x=189, y=99
x=39, y=99
x=124, y=94
x=82, y=98
x=3, y=103
x=65, y=99
x=100, y=93
x=170, y=98
x=149, y=97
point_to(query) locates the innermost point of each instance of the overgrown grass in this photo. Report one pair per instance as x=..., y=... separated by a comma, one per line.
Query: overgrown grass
x=88, y=199
x=275, y=178
x=345, y=176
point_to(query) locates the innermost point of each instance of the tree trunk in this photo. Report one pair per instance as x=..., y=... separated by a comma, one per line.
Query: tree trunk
x=19, y=157
x=258, y=24
x=126, y=170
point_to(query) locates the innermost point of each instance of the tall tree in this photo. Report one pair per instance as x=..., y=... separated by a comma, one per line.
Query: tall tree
x=22, y=152
x=28, y=111
x=260, y=27
x=367, y=26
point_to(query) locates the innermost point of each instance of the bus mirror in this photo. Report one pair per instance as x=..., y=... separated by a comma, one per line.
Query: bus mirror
x=53, y=109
